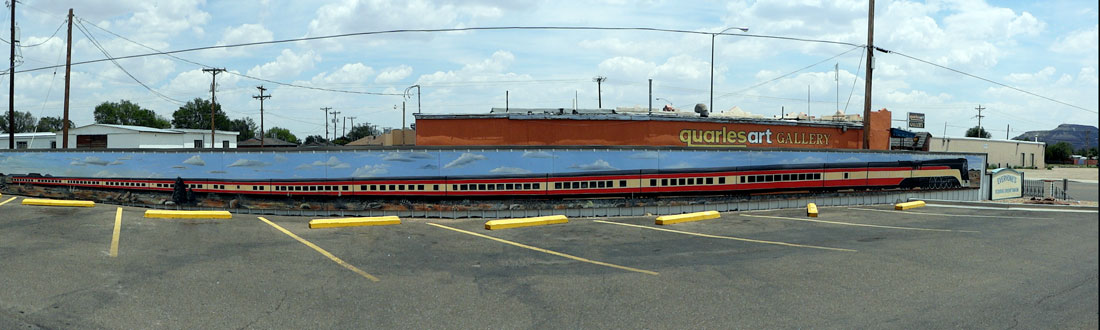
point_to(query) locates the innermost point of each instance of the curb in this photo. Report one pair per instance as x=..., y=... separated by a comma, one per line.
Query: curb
x=57, y=202
x=525, y=222
x=686, y=217
x=170, y=214
x=354, y=222
x=1013, y=206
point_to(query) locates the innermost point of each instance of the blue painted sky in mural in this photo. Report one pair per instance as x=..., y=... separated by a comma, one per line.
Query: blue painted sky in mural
x=412, y=163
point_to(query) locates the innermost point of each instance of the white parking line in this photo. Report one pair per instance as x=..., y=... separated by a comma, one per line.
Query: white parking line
x=1011, y=208
x=948, y=215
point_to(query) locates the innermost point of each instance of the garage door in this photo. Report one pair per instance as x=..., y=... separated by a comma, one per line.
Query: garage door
x=91, y=141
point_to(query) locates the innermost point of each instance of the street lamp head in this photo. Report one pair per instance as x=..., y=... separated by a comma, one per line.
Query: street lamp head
x=743, y=29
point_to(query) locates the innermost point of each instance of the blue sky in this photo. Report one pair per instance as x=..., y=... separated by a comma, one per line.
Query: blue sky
x=1045, y=47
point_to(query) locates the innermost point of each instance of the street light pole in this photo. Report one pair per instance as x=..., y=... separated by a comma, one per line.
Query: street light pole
x=712, y=36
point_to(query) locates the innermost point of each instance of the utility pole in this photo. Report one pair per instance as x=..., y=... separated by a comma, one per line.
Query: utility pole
x=651, y=96
x=213, y=100
x=506, y=95
x=599, y=90
x=1008, y=130
x=352, y=124
x=980, y=120
x=326, y=109
x=334, y=122
x=345, y=123
x=11, y=82
x=68, y=68
x=867, y=81
x=261, y=97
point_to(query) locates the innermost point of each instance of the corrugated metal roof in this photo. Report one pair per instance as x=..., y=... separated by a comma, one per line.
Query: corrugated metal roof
x=133, y=128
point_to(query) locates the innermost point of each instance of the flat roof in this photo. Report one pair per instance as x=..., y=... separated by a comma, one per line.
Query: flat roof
x=987, y=140
x=608, y=114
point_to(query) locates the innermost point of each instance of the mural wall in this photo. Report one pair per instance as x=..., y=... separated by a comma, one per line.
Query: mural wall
x=376, y=163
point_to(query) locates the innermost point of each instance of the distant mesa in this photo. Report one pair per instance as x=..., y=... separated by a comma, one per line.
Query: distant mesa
x=1079, y=136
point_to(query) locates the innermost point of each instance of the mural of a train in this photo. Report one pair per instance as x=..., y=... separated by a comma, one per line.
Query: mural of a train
x=945, y=173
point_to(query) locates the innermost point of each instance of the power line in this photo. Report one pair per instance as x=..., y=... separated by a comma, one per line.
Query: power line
x=788, y=74
x=985, y=79
x=493, y=28
x=96, y=43
x=169, y=54
x=41, y=43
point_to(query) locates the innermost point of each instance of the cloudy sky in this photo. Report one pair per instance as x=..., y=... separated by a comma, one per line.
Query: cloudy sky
x=1047, y=48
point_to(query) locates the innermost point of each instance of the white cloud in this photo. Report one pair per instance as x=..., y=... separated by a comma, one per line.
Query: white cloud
x=241, y=34
x=287, y=65
x=352, y=73
x=393, y=74
x=1042, y=75
x=1077, y=42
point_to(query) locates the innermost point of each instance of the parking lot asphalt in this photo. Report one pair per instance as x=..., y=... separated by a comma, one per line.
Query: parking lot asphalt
x=858, y=267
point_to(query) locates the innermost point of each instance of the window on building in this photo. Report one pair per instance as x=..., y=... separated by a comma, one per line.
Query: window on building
x=20, y=144
x=198, y=143
x=225, y=144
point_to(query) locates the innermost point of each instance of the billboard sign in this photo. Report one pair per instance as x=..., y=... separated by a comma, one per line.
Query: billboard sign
x=1007, y=183
x=916, y=120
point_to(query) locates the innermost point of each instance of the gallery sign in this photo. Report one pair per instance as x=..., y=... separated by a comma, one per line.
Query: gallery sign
x=1006, y=183
x=733, y=138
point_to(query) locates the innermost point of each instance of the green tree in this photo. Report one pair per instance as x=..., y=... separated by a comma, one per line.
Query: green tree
x=128, y=113
x=246, y=127
x=196, y=115
x=24, y=122
x=974, y=132
x=1059, y=152
x=315, y=139
x=361, y=131
x=281, y=134
x=51, y=124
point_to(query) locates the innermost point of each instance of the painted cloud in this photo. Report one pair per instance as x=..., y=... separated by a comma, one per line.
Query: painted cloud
x=465, y=159
x=248, y=163
x=509, y=170
x=538, y=154
x=598, y=165
x=371, y=170
x=332, y=162
x=195, y=160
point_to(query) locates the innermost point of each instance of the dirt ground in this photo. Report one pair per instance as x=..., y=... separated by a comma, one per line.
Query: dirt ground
x=1072, y=173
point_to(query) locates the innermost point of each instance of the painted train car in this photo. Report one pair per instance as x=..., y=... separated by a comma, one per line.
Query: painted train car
x=926, y=174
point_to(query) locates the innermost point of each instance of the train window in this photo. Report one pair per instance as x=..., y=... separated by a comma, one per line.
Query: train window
x=557, y=185
x=817, y=176
x=769, y=178
x=664, y=182
x=462, y=187
x=652, y=183
x=363, y=187
x=500, y=186
x=845, y=175
x=786, y=177
x=492, y=186
x=535, y=186
x=526, y=186
x=601, y=184
x=510, y=186
x=393, y=187
x=721, y=180
x=421, y=187
x=382, y=187
x=312, y=188
x=575, y=185
x=622, y=183
x=481, y=186
x=710, y=180
x=750, y=178
x=691, y=181
x=683, y=181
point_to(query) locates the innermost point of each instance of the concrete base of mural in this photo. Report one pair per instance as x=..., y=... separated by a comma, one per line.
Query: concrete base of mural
x=487, y=208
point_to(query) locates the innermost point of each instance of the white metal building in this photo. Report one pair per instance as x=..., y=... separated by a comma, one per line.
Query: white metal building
x=1002, y=153
x=43, y=140
x=140, y=137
